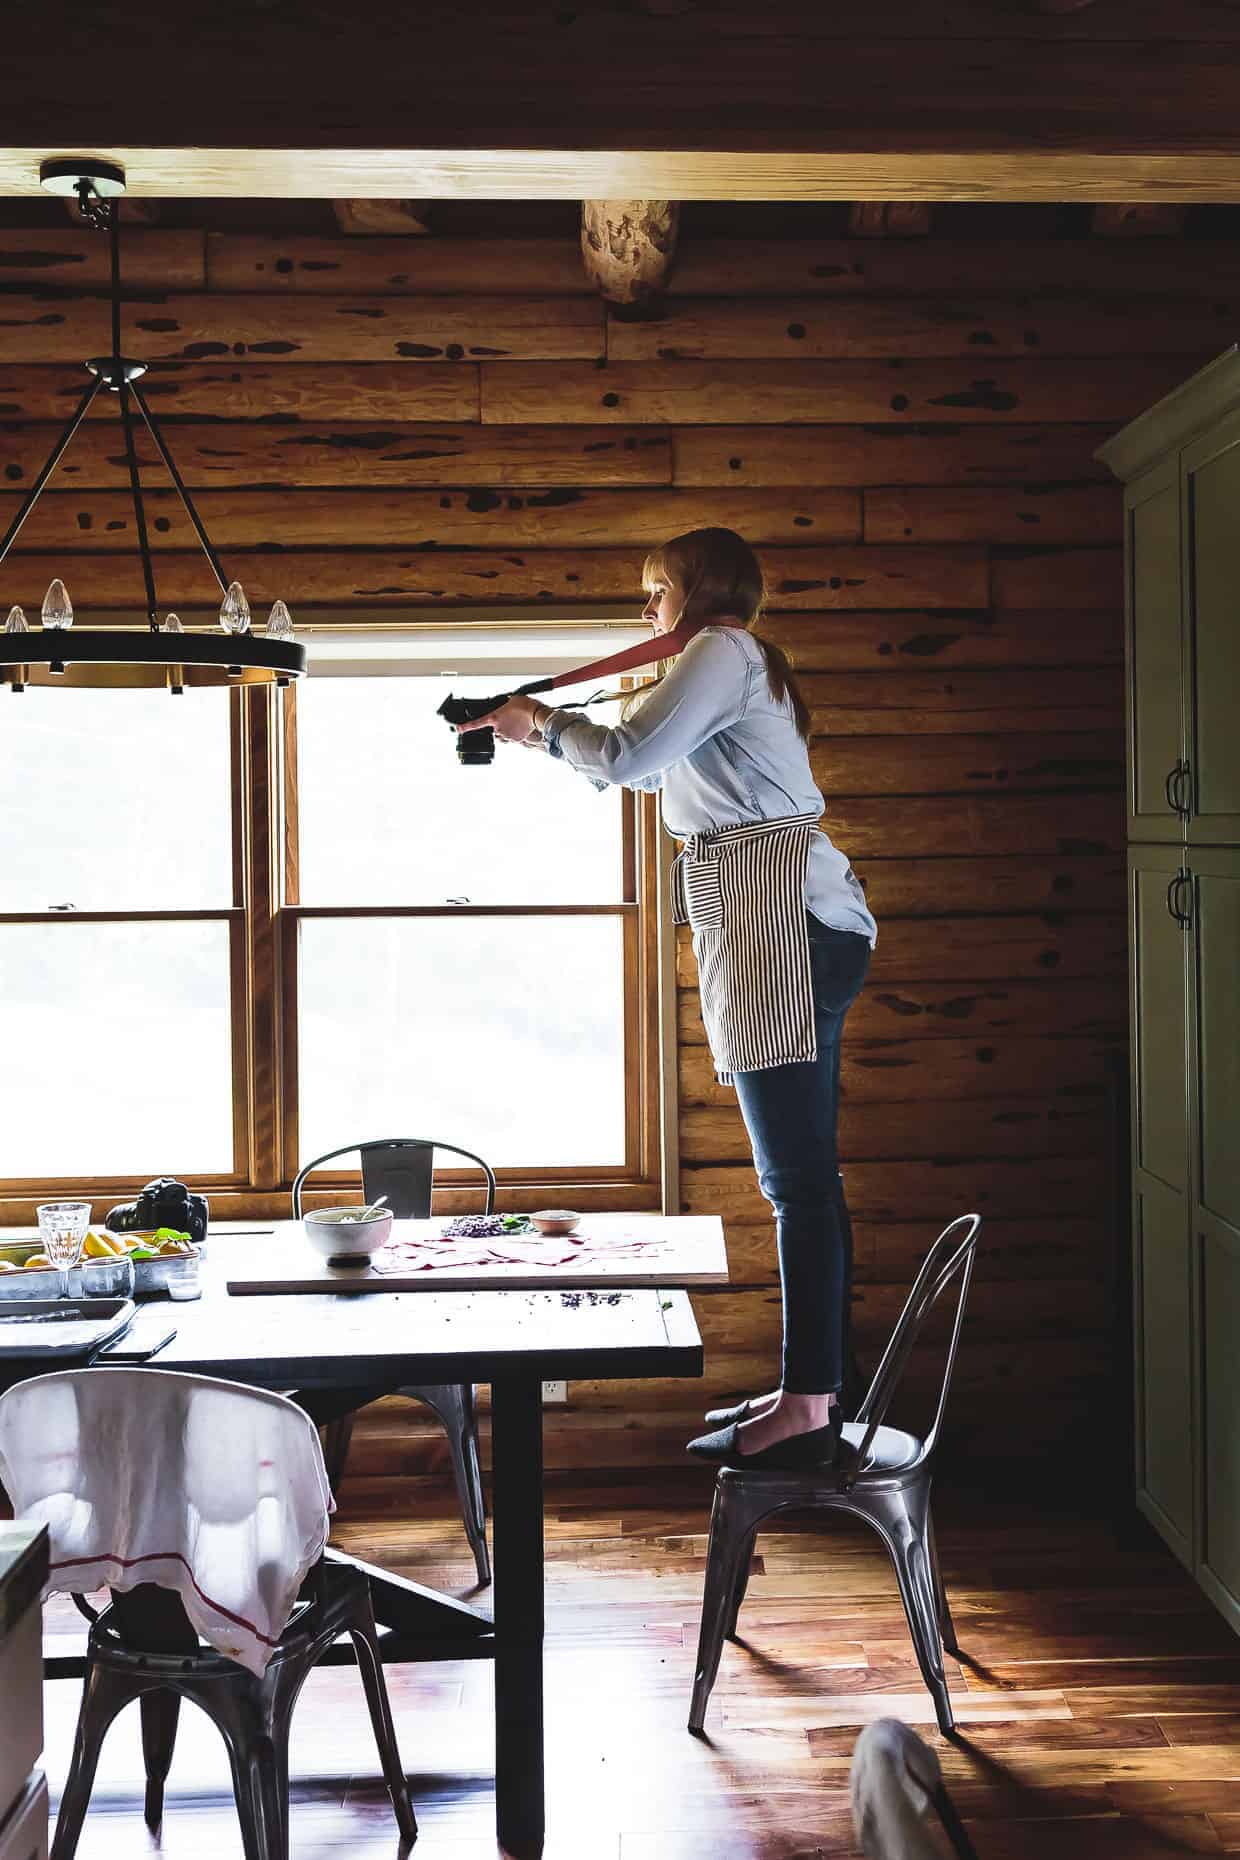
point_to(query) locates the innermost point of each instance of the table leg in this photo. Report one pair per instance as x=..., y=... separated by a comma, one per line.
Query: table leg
x=516, y=1435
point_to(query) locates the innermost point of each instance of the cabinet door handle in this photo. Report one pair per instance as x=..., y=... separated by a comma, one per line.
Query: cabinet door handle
x=1181, y=790
x=1183, y=916
x=1169, y=786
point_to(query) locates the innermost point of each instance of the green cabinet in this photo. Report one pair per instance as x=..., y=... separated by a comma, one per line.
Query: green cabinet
x=1180, y=463
x=1162, y=1256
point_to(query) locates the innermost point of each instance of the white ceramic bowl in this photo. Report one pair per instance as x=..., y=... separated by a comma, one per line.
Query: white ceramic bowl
x=556, y=1220
x=333, y=1234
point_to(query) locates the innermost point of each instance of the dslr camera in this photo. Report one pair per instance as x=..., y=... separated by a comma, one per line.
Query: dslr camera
x=479, y=745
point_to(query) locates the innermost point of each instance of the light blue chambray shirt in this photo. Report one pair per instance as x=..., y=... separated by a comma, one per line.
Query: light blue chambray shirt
x=724, y=754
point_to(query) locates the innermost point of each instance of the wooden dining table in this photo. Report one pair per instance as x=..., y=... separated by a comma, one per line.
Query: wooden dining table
x=515, y=1331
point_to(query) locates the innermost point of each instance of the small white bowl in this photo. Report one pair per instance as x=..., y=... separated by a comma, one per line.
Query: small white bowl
x=340, y=1233
x=556, y=1220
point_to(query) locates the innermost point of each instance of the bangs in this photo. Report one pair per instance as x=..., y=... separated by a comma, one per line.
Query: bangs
x=655, y=569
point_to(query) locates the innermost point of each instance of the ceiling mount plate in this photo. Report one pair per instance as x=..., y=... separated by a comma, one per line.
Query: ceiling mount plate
x=65, y=175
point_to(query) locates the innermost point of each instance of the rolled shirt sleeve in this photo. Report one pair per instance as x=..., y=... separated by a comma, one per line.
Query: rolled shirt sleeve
x=705, y=692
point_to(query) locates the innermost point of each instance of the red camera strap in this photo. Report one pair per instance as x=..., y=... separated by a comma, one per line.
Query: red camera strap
x=645, y=652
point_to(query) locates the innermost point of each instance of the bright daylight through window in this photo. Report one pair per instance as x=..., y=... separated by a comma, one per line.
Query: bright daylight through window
x=459, y=944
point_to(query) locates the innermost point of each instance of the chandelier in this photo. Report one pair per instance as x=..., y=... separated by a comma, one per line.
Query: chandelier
x=167, y=653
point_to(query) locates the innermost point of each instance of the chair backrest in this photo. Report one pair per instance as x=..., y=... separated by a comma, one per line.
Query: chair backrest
x=951, y=1257
x=402, y=1168
x=202, y=1486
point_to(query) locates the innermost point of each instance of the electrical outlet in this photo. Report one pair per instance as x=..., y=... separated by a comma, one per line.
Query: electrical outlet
x=554, y=1391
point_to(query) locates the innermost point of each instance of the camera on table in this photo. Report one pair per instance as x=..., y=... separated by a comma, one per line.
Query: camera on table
x=472, y=745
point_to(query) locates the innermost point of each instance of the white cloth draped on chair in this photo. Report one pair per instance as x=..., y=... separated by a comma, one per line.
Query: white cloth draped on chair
x=207, y=1487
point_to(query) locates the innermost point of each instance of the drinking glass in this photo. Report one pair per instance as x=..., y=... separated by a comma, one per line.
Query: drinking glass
x=62, y=1229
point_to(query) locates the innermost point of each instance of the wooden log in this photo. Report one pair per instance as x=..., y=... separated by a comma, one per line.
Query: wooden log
x=377, y=267
x=861, y=641
x=976, y=825
x=929, y=1011
x=934, y=454
x=357, y=395
x=705, y=267
x=476, y=518
x=271, y=330
x=921, y=1189
x=980, y=949
x=1139, y=219
x=912, y=1071
x=838, y=577
x=1067, y=578
x=1051, y=513
x=369, y=219
x=284, y=453
x=901, y=1132
x=896, y=702
x=628, y=248
x=729, y=393
x=958, y=764
x=916, y=328
x=888, y=219
x=79, y=258
x=919, y=888
x=891, y=1252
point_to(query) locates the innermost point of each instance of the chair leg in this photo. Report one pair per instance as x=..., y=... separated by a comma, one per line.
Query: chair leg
x=336, y=1436
x=905, y=1528
x=742, y=1584
x=947, y=1627
x=160, y=1711
x=733, y=1521
x=454, y=1404
x=256, y=1768
x=104, y=1694
x=365, y=1640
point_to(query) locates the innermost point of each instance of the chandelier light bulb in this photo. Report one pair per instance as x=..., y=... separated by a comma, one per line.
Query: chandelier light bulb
x=279, y=622
x=17, y=621
x=172, y=624
x=57, y=607
x=235, y=610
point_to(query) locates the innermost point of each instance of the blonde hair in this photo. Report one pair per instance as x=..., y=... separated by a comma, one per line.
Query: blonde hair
x=721, y=578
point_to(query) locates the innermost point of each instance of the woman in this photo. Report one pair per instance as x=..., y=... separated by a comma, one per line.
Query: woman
x=781, y=933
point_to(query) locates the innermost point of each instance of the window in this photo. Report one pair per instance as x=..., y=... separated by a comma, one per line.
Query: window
x=236, y=932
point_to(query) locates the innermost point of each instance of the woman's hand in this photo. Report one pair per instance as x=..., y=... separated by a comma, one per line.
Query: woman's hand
x=513, y=721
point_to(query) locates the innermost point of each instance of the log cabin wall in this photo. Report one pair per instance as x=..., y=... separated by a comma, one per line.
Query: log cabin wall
x=905, y=429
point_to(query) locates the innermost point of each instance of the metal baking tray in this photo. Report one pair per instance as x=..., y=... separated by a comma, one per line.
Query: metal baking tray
x=71, y=1327
x=91, y=1277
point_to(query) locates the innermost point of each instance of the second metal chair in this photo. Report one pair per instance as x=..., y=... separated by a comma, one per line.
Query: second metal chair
x=885, y=1481
x=402, y=1169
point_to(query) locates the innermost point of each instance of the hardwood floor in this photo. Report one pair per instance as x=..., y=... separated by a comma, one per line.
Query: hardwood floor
x=1099, y=1698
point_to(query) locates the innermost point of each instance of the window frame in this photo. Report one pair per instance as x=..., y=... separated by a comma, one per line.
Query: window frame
x=263, y=922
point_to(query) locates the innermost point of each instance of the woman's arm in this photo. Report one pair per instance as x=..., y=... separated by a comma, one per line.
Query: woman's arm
x=704, y=692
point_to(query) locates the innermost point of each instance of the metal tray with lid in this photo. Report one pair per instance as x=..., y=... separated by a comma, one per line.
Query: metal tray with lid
x=68, y=1327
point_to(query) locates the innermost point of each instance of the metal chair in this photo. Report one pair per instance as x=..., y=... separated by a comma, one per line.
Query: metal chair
x=402, y=1168
x=885, y=1479
x=225, y=1504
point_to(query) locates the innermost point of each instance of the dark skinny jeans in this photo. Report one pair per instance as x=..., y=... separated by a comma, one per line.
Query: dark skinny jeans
x=791, y=1114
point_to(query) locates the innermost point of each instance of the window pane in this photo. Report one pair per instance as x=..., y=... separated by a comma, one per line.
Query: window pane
x=119, y=1049
x=115, y=800
x=387, y=815
x=387, y=1005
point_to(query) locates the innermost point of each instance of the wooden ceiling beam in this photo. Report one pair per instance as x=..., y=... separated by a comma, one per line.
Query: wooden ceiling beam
x=628, y=248
x=1014, y=174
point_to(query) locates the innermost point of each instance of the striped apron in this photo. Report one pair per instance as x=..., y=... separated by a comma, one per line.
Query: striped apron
x=742, y=891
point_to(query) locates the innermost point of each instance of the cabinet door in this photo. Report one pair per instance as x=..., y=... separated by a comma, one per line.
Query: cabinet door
x=1162, y=1255
x=1211, y=473
x=1156, y=705
x=1215, y=943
